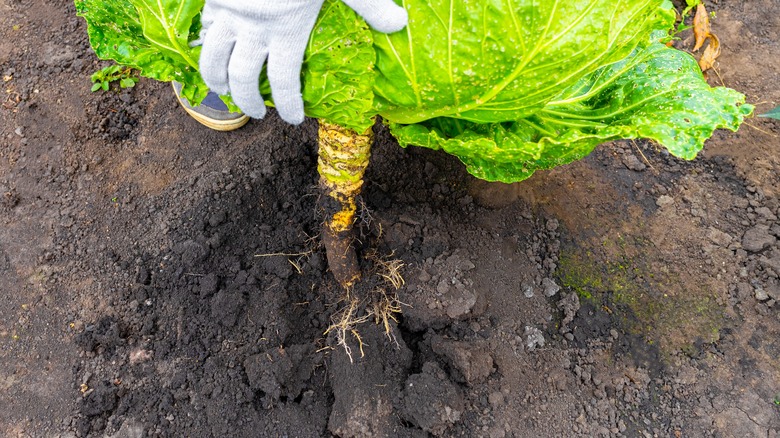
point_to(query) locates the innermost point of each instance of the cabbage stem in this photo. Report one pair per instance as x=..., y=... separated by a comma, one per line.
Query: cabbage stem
x=343, y=158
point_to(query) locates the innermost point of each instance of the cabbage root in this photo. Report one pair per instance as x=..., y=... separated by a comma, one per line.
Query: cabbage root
x=343, y=158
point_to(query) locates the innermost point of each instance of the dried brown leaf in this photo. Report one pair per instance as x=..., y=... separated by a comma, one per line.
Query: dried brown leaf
x=711, y=53
x=701, y=26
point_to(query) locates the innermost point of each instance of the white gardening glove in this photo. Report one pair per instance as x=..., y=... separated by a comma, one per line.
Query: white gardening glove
x=240, y=34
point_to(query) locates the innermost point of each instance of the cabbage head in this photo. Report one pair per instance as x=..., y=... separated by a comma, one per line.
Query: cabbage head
x=507, y=86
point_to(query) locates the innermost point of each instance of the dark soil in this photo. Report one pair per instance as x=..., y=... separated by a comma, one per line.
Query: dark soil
x=161, y=279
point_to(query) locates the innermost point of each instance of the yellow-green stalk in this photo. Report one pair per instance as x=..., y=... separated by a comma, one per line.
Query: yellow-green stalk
x=343, y=158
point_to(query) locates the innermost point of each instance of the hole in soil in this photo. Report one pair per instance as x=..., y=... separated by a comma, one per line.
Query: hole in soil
x=412, y=340
x=409, y=425
x=259, y=396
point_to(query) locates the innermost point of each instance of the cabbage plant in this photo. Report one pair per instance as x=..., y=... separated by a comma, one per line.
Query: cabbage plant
x=507, y=86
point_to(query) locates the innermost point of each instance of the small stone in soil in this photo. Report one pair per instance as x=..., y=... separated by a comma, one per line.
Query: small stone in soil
x=718, y=237
x=528, y=289
x=550, y=288
x=771, y=263
x=633, y=163
x=533, y=338
x=758, y=239
x=664, y=201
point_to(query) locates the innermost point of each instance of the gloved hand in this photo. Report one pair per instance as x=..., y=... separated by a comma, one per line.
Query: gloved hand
x=238, y=36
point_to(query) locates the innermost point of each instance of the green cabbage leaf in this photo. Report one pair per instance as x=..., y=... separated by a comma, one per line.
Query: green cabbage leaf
x=494, y=61
x=656, y=93
x=507, y=86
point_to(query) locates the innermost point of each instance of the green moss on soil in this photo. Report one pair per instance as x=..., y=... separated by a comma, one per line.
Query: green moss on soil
x=643, y=300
